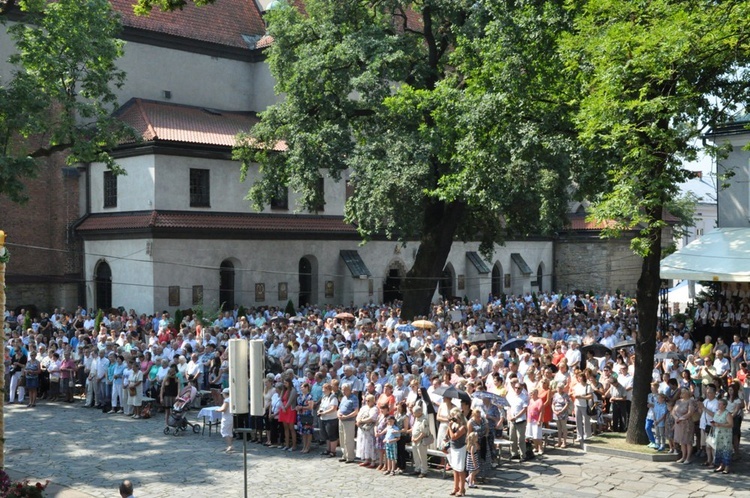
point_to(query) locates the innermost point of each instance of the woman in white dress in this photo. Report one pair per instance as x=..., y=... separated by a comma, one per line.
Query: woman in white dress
x=457, y=428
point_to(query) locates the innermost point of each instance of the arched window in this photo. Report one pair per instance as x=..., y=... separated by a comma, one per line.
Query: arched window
x=446, y=285
x=226, y=285
x=103, y=285
x=392, y=283
x=308, y=281
x=540, y=277
x=497, y=280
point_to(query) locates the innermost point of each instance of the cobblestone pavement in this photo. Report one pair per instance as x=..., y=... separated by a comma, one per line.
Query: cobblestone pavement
x=86, y=453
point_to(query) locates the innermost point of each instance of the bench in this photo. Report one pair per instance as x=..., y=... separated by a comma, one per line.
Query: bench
x=434, y=454
x=501, y=444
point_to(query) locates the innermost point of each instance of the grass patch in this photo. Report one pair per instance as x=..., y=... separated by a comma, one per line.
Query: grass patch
x=616, y=441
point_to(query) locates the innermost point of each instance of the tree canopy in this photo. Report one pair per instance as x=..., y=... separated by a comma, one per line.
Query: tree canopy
x=438, y=111
x=59, y=97
x=651, y=77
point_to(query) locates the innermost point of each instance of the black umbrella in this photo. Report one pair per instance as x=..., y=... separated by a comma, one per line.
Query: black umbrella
x=484, y=337
x=452, y=392
x=625, y=344
x=423, y=394
x=671, y=355
x=512, y=344
x=598, y=349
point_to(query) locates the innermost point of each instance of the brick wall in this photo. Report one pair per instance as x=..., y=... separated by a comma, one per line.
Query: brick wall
x=45, y=259
x=588, y=263
x=596, y=265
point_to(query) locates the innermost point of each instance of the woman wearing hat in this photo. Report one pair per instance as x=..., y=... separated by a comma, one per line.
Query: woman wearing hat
x=227, y=422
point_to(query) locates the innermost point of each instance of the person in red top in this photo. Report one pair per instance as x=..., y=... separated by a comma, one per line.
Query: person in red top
x=558, y=355
x=164, y=336
x=67, y=377
x=388, y=399
x=743, y=377
x=545, y=394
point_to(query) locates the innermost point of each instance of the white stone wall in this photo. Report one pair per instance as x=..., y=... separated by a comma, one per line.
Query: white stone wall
x=135, y=190
x=7, y=48
x=187, y=263
x=734, y=201
x=133, y=284
x=192, y=79
x=263, y=94
x=163, y=183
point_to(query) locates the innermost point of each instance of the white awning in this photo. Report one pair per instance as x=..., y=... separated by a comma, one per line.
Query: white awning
x=722, y=255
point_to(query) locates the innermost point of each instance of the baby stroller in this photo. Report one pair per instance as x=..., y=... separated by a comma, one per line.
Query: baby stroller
x=178, y=422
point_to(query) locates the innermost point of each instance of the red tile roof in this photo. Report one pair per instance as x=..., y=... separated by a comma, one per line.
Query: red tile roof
x=223, y=22
x=239, y=222
x=580, y=223
x=183, y=123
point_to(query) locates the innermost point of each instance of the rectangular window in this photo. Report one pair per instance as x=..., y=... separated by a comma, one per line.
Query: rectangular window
x=320, y=205
x=110, y=189
x=200, y=191
x=281, y=199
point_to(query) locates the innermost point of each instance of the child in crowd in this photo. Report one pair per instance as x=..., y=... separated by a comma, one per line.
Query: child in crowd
x=472, y=459
x=660, y=420
x=650, y=415
x=392, y=435
x=560, y=408
x=227, y=421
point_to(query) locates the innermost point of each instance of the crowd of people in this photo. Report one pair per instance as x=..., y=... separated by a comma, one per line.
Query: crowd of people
x=385, y=389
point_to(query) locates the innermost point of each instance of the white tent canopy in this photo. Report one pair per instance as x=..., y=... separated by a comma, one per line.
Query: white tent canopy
x=681, y=293
x=722, y=255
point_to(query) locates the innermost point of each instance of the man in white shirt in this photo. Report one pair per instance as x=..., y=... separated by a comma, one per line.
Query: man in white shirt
x=609, y=340
x=518, y=402
x=194, y=369
x=91, y=359
x=722, y=366
x=102, y=365
x=573, y=354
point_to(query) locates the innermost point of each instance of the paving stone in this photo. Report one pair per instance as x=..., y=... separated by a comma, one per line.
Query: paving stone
x=87, y=453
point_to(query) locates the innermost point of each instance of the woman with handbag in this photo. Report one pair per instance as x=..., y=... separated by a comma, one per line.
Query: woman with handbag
x=136, y=390
x=682, y=412
x=304, y=409
x=17, y=379
x=53, y=367
x=32, y=371
x=366, y=420
x=457, y=428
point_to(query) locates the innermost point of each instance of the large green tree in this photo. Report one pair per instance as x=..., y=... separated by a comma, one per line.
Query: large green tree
x=59, y=95
x=652, y=76
x=439, y=116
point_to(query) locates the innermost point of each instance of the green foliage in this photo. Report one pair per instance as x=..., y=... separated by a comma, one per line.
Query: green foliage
x=144, y=7
x=60, y=98
x=450, y=110
x=682, y=208
x=26, y=321
x=178, y=318
x=653, y=76
x=241, y=311
x=290, y=310
x=98, y=319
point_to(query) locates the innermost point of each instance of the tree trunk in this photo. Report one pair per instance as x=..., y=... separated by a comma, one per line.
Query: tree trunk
x=649, y=284
x=440, y=224
x=3, y=254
